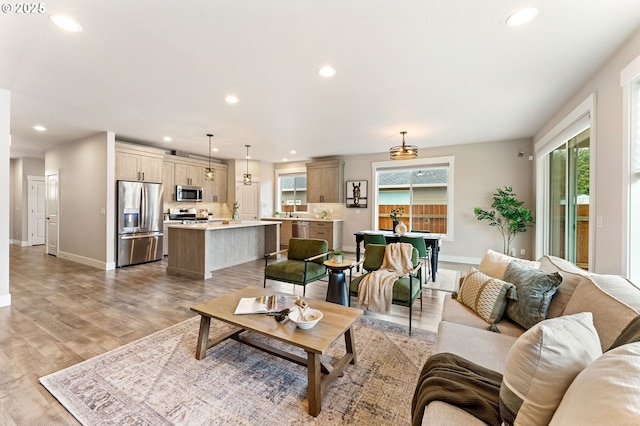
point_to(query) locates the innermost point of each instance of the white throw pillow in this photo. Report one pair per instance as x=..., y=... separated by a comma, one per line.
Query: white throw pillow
x=541, y=365
x=607, y=392
x=494, y=264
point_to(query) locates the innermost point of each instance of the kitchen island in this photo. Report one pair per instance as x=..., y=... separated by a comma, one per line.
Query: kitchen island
x=199, y=249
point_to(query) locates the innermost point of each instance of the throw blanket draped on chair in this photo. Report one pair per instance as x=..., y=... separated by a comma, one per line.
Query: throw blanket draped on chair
x=375, y=291
x=452, y=379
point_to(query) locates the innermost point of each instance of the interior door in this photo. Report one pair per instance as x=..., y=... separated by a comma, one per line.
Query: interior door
x=249, y=201
x=36, y=199
x=52, y=207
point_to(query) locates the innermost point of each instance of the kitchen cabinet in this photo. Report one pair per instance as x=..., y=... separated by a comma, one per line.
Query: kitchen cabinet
x=190, y=171
x=139, y=163
x=325, y=181
x=189, y=174
x=169, y=182
x=216, y=190
x=331, y=231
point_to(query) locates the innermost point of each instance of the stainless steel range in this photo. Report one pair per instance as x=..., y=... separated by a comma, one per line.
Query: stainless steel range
x=187, y=216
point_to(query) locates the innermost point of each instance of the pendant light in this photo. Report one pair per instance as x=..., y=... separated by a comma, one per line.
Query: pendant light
x=246, y=178
x=403, y=152
x=209, y=173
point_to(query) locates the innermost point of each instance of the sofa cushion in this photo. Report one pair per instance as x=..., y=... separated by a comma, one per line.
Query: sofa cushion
x=605, y=392
x=630, y=334
x=612, y=300
x=482, y=347
x=534, y=289
x=454, y=311
x=541, y=365
x=440, y=413
x=494, y=263
x=571, y=277
x=485, y=295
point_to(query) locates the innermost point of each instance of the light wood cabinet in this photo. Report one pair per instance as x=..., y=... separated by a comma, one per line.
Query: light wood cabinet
x=325, y=181
x=139, y=163
x=216, y=190
x=189, y=174
x=190, y=171
x=331, y=231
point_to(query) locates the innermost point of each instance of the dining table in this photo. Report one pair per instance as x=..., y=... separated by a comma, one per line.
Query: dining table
x=431, y=240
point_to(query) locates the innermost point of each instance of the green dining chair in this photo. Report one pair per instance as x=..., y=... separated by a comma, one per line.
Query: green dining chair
x=374, y=239
x=424, y=254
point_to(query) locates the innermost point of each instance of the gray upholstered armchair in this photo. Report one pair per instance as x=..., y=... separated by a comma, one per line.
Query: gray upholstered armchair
x=304, y=262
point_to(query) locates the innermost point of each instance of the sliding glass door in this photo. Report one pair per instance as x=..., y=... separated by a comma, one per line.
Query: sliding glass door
x=568, y=212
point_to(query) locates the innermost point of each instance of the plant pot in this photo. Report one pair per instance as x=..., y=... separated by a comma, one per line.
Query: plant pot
x=337, y=258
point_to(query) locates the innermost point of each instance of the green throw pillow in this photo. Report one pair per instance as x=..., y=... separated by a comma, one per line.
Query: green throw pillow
x=487, y=296
x=534, y=288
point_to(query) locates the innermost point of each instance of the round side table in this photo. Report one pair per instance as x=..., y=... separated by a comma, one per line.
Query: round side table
x=337, y=291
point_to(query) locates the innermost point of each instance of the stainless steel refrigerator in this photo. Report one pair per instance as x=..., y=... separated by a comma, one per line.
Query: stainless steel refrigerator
x=140, y=222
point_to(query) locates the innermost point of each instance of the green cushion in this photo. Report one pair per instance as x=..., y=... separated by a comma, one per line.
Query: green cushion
x=373, y=260
x=534, y=289
x=293, y=271
x=303, y=248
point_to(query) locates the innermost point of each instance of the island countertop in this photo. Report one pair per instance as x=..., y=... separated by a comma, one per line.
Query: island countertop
x=211, y=226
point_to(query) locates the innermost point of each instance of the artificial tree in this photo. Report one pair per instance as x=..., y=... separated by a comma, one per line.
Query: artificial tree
x=507, y=215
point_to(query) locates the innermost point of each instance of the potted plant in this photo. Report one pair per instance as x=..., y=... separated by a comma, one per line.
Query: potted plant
x=507, y=215
x=338, y=256
x=395, y=215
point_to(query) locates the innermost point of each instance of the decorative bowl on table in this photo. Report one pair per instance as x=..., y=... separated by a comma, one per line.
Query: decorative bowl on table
x=305, y=319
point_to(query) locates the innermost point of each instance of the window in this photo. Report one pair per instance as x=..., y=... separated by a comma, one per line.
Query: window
x=633, y=209
x=292, y=192
x=421, y=189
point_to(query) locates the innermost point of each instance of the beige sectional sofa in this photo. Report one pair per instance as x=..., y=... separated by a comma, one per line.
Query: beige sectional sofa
x=613, y=303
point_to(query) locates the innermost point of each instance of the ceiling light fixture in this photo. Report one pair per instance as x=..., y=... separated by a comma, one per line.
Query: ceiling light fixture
x=39, y=128
x=209, y=173
x=522, y=17
x=232, y=99
x=246, y=178
x=167, y=139
x=66, y=23
x=403, y=152
x=327, y=71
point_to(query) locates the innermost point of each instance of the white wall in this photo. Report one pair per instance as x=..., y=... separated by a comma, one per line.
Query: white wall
x=86, y=195
x=609, y=191
x=5, y=194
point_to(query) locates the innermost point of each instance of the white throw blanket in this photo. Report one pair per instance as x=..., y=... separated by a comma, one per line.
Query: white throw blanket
x=375, y=291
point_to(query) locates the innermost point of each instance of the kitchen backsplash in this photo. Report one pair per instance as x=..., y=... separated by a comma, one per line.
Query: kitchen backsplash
x=217, y=209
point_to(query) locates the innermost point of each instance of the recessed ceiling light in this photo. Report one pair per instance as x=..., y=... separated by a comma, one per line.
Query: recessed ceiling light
x=327, y=71
x=215, y=149
x=40, y=128
x=167, y=139
x=232, y=99
x=284, y=160
x=521, y=17
x=66, y=23
x=293, y=151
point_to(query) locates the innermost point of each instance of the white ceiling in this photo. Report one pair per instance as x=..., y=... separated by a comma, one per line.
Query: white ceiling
x=447, y=72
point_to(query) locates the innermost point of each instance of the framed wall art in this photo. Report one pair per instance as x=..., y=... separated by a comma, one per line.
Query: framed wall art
x=356, y=194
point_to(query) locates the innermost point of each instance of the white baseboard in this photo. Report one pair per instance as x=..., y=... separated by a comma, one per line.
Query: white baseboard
x=5, y=300
x=459, y=259
x=83, y=260
x=20, y=243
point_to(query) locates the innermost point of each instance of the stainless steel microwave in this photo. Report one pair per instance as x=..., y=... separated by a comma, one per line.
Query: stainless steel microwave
x=188, y=193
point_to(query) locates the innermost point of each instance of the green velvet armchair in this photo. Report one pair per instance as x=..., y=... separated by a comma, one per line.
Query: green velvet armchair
x=405, y=290
x=304, y=263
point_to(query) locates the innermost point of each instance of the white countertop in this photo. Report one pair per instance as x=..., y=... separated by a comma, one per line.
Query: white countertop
x=212, y=226
x=305, y=219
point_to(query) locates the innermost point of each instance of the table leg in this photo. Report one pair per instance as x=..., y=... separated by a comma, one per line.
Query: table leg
x=358, y=253
x=337, y=291
x=434, y=262
x=203, y=337
x=350, y=343
x=314, y=392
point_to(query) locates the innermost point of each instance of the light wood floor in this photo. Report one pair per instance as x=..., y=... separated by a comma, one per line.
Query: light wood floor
x=63, y=313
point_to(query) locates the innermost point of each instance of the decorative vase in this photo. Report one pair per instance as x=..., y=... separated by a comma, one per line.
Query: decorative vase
x=236, y=215
x=395, y=224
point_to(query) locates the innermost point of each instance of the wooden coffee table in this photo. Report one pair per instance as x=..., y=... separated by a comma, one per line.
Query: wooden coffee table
x=336, y=322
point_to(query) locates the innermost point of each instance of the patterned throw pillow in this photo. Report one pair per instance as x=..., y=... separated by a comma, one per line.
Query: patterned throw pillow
x=487, y=296
x=535, y=288
x=541, y=365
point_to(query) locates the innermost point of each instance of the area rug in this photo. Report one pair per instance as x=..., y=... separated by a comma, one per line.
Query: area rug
x=446, y=280
x=157, y=381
